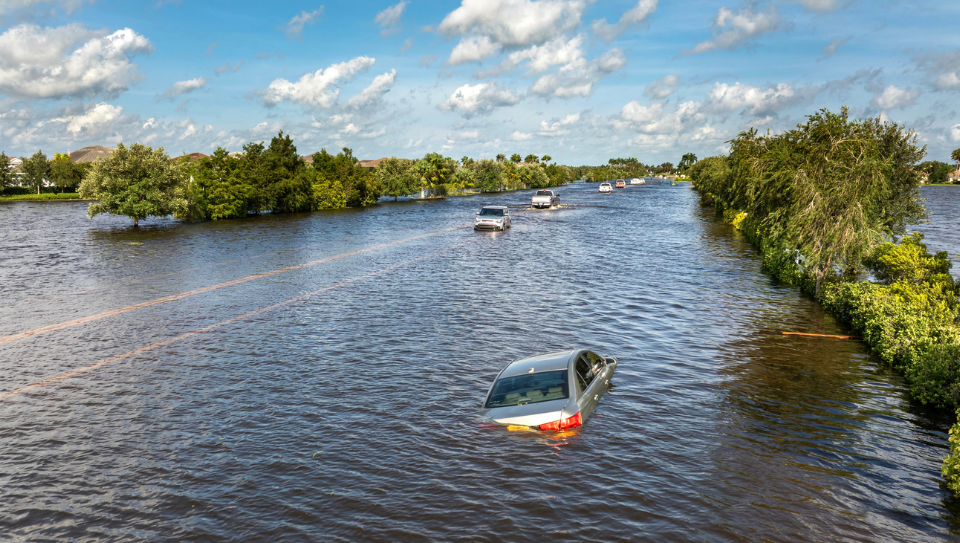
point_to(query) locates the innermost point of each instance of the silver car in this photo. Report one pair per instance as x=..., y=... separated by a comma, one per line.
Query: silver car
x=548, y=392
x=492, y=218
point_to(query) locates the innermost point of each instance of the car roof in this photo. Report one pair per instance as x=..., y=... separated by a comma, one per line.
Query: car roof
x=558, y=360
x=494, y=207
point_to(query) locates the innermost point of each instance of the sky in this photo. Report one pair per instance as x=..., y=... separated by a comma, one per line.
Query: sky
x=580, y=80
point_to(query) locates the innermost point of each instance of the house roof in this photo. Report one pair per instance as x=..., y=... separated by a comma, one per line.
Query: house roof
x=372, y=163
x=192, y=157
x=91, y=153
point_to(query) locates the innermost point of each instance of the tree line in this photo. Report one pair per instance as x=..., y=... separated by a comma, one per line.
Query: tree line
x=828, y=204
x=37, y=171
x=139, y=181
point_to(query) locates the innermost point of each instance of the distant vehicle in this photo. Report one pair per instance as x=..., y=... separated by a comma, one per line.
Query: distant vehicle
x=606, y=187
x=545, y=198
x=492, y=218
x=621, y=184
x=636, y=181
x=548, y=392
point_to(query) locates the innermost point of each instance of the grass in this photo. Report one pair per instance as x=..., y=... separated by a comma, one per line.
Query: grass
x=39, y=197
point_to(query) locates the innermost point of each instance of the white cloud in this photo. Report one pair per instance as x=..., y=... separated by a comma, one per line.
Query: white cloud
x=831, y=48
x=943, y=70
x=893, y=97
x=68, y=61
x=479, y=99
x=512, y=23
x=228, y=68
x=820, y=6
x=372, y=95
x=389, y=18
x=294, y=27
x=730, y=30
x=521, y=136
x=317, y=89
x=662, y=88
x=183, y=87
x=95, y=120
x=635, y=16
x=372, y=134
x=473, y=49
x=558, y=127
x=652, y=120
x=578, y=77
x=755, y=100
x=955, y=132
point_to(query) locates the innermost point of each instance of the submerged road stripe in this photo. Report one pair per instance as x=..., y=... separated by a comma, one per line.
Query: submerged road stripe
x=182, y=295
x=197, y=332
x=151, y=278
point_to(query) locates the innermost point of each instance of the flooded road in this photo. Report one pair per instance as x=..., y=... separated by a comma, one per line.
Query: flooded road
x=315, y=377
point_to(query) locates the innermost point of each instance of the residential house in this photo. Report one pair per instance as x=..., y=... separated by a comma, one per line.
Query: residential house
x=90, y=153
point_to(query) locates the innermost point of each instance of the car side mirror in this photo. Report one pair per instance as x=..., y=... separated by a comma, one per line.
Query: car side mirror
x=478, y=212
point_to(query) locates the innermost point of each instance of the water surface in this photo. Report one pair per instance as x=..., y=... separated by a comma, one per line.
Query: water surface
x=349, y=415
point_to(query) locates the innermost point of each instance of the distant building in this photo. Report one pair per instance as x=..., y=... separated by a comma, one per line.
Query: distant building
x=371, y=165
x=90, y=153
x=307, y=158
x=14, y=167
x=192, y=157
x=954, y=176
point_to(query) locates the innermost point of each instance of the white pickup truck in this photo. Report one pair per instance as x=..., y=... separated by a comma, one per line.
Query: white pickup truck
x=545, y=198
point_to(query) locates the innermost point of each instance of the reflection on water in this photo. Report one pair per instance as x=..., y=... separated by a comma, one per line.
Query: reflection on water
x=350, y=415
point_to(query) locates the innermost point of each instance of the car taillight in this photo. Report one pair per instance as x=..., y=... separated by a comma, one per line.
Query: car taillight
x=562, y=424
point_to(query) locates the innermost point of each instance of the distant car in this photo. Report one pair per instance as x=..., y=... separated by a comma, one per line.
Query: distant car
x=545, y=198
x=606, y=187
x=636, y=181
x=492, y=218
x=621, y=184
x=548, y=392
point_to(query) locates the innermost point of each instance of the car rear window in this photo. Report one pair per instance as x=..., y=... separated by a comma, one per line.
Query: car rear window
x=529, y=388
x=544, y=193
x=488, y=211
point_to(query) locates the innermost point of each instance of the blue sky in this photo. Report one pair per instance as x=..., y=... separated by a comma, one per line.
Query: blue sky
x=580, y=80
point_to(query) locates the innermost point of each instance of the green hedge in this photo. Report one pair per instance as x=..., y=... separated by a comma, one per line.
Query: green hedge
x=43, y=196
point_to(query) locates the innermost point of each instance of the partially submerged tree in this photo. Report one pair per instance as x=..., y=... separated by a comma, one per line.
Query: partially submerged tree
x=137, y=182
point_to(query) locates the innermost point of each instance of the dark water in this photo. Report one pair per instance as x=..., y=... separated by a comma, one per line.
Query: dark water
x=348, y=415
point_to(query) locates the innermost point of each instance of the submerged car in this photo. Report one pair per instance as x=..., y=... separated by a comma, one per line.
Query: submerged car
x=545, y=198
x=621, y=184
x=548, y=392
x=606, y=187
x=492, y=218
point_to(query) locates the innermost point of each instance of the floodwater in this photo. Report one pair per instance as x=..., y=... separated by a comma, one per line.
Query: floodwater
x=184, y=397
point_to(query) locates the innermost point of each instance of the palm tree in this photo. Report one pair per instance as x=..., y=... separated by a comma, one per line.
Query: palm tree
x=956, y=156
x=501, y=157
x=531, y=159
x=546, y=158
x=516, y=158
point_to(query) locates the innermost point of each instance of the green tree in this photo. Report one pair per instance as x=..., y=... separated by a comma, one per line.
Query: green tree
x=396, y=177
x=515, y=158
x=532, y=159
x=65, y=173
x=688, y=160
x=828, y=191
x=137, y=182
x=955, y=155
x=36, y=170
x=255, y=174
x=6, y=176
x=217, y=187
x=501, y=157
x=487, y=175
x=434, y=171
x=546, y=159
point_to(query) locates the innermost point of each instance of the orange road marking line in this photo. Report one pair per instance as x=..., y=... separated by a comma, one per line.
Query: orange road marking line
x=182, y=295
x=197, y=332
